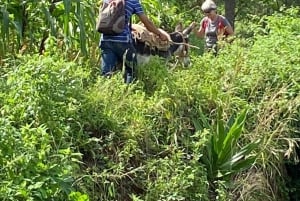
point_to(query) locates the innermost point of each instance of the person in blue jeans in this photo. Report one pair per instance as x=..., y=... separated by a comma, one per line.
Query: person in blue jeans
x=113, y=47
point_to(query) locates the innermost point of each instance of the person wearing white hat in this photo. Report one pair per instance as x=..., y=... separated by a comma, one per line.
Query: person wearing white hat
x=213, y=27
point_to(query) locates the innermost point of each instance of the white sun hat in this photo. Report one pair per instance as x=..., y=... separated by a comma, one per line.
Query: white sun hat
x=208, y=5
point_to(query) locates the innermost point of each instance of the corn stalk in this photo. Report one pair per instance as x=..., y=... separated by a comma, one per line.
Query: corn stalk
x=27, y=25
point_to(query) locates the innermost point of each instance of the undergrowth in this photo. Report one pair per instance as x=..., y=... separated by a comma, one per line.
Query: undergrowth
x=66, y=135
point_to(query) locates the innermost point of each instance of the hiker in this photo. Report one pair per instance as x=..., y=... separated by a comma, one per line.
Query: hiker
x=213, y=27
x=113, y=47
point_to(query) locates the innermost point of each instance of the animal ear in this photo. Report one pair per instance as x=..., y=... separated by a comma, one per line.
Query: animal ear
x=188, y=30
x=179, y=27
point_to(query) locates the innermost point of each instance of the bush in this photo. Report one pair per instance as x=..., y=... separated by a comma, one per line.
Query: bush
x=40, y=101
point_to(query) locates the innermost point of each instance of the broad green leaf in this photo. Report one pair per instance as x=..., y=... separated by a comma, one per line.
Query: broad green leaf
x=220, y=135
x=230, y=141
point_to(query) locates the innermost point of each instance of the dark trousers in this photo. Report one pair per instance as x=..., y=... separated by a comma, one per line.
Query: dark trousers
x=113, y=53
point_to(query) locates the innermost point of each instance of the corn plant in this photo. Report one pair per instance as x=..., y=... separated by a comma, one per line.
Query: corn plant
x=27, y=25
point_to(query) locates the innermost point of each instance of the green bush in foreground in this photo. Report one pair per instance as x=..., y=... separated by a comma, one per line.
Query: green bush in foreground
x=40, y=101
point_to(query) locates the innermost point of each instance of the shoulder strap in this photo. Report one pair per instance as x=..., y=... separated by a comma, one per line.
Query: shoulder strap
x=204, y=23
x=130, y=23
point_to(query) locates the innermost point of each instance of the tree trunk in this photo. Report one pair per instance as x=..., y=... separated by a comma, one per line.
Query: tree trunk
x=230, y=11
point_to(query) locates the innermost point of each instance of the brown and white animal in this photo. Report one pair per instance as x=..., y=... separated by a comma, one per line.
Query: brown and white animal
x=147, y=44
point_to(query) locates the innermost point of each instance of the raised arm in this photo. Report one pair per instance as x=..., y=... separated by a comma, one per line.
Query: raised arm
x=200, y=32
x=151, y=27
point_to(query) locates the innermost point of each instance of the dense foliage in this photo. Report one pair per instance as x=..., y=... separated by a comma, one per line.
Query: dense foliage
x=225, y=128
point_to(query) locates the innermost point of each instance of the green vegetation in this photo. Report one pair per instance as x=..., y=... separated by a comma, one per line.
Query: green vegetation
x=224, y=129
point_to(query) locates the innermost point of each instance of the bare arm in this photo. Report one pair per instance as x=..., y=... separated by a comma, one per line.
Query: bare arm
x=229, y=30
x=200, y=32
x=151, y=27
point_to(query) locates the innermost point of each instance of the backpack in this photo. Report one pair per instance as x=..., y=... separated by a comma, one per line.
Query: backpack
x=111, y=18
x=221, y=31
